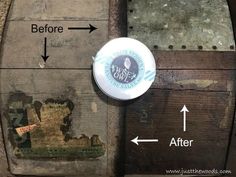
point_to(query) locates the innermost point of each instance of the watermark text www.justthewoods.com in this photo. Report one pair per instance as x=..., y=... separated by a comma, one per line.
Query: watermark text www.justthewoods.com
x=198, y=172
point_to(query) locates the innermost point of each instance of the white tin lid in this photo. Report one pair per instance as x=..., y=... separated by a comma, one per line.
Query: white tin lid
x=124, y=68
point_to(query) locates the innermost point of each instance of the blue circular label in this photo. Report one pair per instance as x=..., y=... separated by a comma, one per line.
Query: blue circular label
x=124, y=69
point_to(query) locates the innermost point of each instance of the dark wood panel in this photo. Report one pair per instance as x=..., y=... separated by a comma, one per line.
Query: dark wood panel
x=208, y=124
x=195, y=60
x=207, y=80
x=232, y=153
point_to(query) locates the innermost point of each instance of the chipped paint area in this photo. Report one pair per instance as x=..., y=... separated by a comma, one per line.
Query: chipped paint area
x=198, y=83
x=42, y=129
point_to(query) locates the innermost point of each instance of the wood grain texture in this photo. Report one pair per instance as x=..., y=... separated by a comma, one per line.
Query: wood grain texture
x=205, y=80
x=208, y=124
x=71, y=49
x=117, y=18
x=232, y=152
x=195, y=60
x=59, y=10
x=116, y=137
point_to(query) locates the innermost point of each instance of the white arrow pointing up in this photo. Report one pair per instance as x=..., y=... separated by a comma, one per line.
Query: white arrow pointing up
x=137, y=141
x=184, y=109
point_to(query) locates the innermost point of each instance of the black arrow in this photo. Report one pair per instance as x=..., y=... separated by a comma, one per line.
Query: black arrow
x=91, y=28
x=45, y=57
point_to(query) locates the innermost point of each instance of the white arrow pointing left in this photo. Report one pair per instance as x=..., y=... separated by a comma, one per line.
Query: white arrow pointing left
x=137, y=141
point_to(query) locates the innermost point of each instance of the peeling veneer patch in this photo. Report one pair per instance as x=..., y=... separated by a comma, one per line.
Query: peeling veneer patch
x=42, y=130
x=198, y=83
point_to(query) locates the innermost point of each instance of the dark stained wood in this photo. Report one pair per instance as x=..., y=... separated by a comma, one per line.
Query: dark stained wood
x=205, y=80
x=232, y=153
x=208, y=124
x=117, y=18
x=195, y=60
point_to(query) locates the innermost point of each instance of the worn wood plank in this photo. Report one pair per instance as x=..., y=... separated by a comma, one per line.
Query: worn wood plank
x=208, y=124
x=59, y=10
x=22, y=49
x=47, y=81
x=34, y=81
x=205, y=80
x=116, y=137
x=195, y=60
x=117, y=19
x=70, y=49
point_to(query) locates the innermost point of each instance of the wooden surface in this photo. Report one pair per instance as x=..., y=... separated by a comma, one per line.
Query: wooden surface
x=208, y=124
x=232, y=152
x=23, y=49
x=205, y=82
x=187, y=60
x=52, y=10
x=181, y=78
x=71, y=50
x=4, y=170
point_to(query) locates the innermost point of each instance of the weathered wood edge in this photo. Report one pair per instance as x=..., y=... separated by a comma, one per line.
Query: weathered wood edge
x=4, y=170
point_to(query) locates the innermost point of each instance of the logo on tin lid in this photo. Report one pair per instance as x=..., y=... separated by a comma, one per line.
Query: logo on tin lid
x=124, y=69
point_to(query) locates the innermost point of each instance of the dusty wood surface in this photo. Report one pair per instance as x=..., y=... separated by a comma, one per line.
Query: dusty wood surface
x=181, y=25
x=24, y=49
x=52, y=10
x=68, y=50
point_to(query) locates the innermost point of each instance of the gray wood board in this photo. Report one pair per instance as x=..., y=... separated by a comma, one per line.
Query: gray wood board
x=70, y=49
x=74, y=49
x=180, y=23
x=60, y=10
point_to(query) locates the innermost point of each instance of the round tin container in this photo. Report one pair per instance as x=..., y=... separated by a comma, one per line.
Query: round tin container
x=124, y=68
